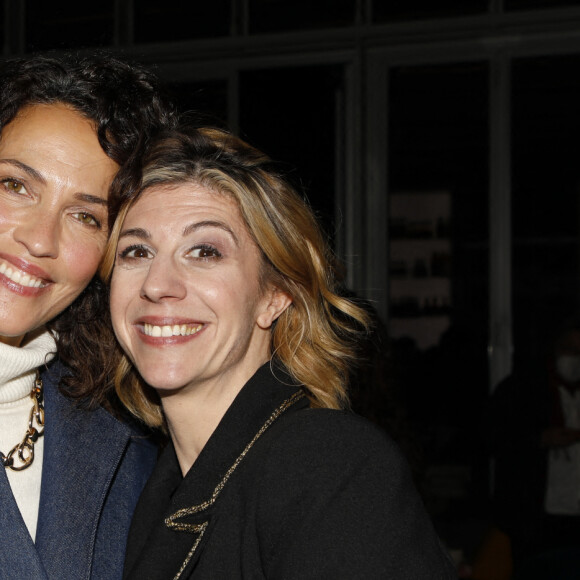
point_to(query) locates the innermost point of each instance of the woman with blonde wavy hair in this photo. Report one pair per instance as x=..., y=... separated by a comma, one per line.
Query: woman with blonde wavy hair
x=224, y=299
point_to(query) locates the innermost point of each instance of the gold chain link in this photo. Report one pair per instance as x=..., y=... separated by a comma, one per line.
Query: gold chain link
x=21, y=455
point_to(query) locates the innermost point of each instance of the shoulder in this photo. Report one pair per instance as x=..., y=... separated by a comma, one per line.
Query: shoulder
x=331, y=434
x=320, y=450
x=71, y=418
x=53, y=372
x=333, y=492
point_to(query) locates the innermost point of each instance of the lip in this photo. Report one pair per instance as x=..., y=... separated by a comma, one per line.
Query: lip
x=154, y=330
x=27, y=269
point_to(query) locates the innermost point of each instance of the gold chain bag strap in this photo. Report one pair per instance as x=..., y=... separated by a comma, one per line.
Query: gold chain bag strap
x=21, y=455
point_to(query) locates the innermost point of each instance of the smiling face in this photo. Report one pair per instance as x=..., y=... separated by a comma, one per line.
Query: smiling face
x=54, y=181
x=187, y=302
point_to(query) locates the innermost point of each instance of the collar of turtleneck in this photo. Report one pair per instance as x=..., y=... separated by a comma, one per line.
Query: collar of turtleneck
x=18, y=365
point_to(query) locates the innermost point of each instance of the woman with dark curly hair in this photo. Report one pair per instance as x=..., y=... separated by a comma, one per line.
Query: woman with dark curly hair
x=224, y=297
x=71, y=472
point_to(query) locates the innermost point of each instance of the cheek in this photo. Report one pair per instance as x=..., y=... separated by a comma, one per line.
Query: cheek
x=81, y=262
x=212, y=293
x=118, y=301
x=239, y=302
x=124, y=301
x=222, y=294
x=118, y=310
x=10, y=218
x=5, y=215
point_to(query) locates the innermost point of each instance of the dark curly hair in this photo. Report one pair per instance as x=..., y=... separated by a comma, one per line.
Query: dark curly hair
x=127, y=106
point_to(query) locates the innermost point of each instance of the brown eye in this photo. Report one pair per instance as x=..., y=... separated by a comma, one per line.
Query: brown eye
x=140, y=253
x=205, y=252
x=86, y=219
x=135, y=253
x=14, y=186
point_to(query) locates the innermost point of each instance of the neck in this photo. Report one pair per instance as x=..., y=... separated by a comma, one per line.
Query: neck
x=192, y=417
x=194, y=412
x=23, y=339
x=18, y=365
x=11, y=340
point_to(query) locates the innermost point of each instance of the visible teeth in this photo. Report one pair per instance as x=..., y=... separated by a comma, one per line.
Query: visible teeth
x=19, y=277
x=174, y=330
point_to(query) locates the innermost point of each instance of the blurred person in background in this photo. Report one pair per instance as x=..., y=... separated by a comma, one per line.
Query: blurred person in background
x=533, y=427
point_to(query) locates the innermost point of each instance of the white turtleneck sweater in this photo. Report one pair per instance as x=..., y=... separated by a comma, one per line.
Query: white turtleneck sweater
x=17, y=374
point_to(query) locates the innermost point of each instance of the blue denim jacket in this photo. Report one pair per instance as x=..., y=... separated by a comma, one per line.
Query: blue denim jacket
x=94, y=468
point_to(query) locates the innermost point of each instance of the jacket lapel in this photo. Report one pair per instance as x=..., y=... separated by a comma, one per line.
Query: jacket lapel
x=18, y=556
x=186, y=507
x=82, y=451
x=153, y=549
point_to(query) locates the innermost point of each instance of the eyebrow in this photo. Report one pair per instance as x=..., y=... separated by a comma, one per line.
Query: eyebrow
x=135, y=233
x=191, y=228
x=143, y=234
x=26, y=168
x=33, y=174
x=93, y=199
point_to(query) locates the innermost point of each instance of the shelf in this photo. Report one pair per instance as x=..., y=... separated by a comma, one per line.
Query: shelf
x=430, y=239
x=420, y=266
x=426, y=331
x=420, y=316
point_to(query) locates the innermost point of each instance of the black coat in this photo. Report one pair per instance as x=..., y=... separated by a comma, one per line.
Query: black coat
x=287, y=492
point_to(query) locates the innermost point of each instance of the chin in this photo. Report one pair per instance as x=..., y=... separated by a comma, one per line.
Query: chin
x=168, y=391
x=163, y=384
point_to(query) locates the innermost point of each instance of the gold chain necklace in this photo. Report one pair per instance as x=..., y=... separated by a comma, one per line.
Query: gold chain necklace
x=21, y=455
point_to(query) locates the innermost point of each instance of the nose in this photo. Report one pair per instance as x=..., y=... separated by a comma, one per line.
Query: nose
x=163, y=282
x=39, y=232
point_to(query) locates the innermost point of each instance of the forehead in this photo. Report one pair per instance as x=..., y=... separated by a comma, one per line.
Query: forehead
x=54, y=132
x=48, y=118
x=184, y=202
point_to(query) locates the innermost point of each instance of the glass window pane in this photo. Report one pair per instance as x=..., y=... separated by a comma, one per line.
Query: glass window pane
x=438, y=264
x=291, y=115
x=68, y=24
x=418, y=9
x=277, y=15
x=535, y=4
x=173, y=20
x=546, y=210
x=2, y=22
x=538, y=399
x=207, y=100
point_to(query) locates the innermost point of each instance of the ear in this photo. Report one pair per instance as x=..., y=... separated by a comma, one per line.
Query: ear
x=275, y=302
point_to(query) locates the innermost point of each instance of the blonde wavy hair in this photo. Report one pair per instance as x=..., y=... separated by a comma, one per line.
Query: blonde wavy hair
x=315, y=337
